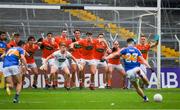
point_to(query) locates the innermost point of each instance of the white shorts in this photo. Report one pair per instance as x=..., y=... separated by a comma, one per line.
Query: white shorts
x=50, y=61
x=88, y=62
x=100, y=64
x=62, y=66
x=132, y=74
x=78, y=61
x=1, y=66
x=143, y=68
x=32, y=65
x=119, y=67
x=11, y=70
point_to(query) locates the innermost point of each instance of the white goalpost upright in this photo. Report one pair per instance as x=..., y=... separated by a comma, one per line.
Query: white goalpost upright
x=158, y=16
x=99, y=7
x=159, y=44
x=140, y=23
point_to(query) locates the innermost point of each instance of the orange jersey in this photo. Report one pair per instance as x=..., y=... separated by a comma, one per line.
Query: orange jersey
x=77, y=49
x=12, y=43
x=87, y=51
x=60, y=39
x=115, y=60
x=48, y=48
x=99, y=51
x=144, y=50
x=31, y=51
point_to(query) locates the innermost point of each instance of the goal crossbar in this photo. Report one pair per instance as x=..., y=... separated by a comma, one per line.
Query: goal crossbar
x=58, y=7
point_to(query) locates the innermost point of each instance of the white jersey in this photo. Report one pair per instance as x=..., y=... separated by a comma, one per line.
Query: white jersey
x=61, y=58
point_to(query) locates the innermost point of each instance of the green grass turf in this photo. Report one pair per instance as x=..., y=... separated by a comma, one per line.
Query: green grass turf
x=87, y=99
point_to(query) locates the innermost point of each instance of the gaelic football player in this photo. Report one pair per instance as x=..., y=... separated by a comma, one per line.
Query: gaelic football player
x=76, y=52
x=48, y=46
x=12, y=73
x=100, y=51
x=30, y=47
x=3, y=47
x=115, y=64
x=61, y=62
x=130, y=56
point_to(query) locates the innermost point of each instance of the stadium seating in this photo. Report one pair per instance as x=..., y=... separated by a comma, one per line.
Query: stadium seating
x=89, y=16
x=55, y=1
x=168, y=52
x=112, y=28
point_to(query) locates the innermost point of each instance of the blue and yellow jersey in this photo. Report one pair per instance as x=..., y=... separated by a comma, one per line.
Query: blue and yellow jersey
x=130, y=56
x=2, y=49
x=12, y=56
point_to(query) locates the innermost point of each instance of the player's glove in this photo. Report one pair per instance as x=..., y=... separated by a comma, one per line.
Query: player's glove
x=156, y=37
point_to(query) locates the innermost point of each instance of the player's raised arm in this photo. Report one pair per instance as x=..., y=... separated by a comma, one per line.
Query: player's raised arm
x=72, y=44
x=26, y=53
x=103, y=40
x=39, y=41
x=118, y=53
x=111, y=55
x=155, y=42
x=2, y=56
x=49, y=57
x=144, y=61
x=23, y=60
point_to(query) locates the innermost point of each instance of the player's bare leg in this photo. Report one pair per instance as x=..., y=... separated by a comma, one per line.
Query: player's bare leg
x=106, y=75
x=74, y=70
x=105, y=79
x=56, y=79
x=24, y=73
x=45, y=68
x=52, y=78
x=81, y=76
x=46, y=80
x=18, y=79
x=9, y=84
x=139, y=91
x=143, y=77
x=53, y=70
x=35, y=72
x=45, y=72
x=123, y=78
x=1, y=76
x=67, y=77
x=92, y=71
x=109, y=82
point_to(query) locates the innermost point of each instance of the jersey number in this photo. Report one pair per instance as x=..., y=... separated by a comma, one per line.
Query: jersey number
x=12, y=52
x=131, y=57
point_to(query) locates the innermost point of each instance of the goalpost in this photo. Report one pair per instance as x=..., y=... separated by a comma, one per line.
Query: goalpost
x=159, y=45
x=110, y=8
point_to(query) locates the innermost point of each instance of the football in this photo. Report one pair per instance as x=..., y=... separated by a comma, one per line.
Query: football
x=158, y=98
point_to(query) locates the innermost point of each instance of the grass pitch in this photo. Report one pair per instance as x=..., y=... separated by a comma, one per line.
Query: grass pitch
x=88, y=99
